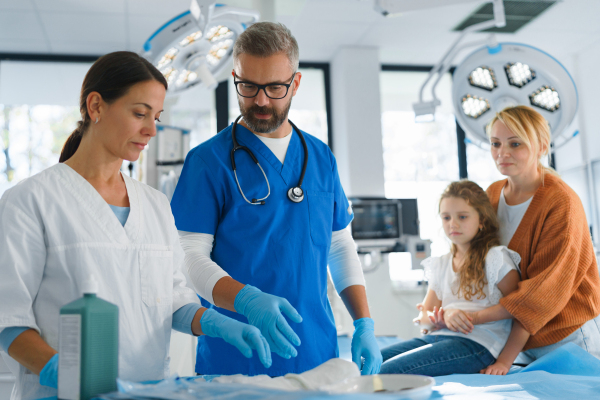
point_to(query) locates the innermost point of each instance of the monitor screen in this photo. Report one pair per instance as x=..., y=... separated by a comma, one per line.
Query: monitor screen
x=410, y=217
x=376, y=220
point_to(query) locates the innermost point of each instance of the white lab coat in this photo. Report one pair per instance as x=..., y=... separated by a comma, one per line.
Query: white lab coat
x=54, y=229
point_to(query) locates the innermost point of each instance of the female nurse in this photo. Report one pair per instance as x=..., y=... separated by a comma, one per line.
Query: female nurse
x=84, y=217
x=542, y=219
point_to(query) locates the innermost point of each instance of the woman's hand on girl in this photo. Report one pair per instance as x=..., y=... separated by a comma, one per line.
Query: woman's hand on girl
x=497, y=368
x=458, y=321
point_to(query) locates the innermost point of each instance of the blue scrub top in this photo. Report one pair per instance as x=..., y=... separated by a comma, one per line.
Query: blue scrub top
x=280, y=247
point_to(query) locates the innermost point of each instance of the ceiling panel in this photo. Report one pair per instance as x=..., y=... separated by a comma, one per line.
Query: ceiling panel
x=141, y=28
x=71, y=27
x=23, y=46
x=339, y=11
x=26, y=5
x=166, y=9
x=81, y=6
x=20, y=25
x=87, y=48
x=321, y=26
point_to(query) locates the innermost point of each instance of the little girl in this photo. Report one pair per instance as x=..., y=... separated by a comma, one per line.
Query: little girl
x=473, y=276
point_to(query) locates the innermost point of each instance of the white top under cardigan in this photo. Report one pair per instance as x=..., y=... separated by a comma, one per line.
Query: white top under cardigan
x=344, y=265
x=445, y=283
x=510, y=218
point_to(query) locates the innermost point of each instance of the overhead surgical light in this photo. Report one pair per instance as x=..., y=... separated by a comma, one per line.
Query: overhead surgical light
x=474, y=106
x=519, y=74
x=554, y=94
x=546, y=98
x=480, y=89
x=195, y=46
x=484, y=78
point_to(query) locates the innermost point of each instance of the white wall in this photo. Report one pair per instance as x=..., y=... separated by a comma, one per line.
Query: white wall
x=357, y=143
x=572, y=159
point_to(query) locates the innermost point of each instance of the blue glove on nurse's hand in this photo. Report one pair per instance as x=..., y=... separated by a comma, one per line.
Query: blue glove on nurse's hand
x=364, y=345
x=265, y=312
x=49, y=374
x=243, y=336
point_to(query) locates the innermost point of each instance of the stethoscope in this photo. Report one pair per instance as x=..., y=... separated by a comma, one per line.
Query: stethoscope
x=295, y=194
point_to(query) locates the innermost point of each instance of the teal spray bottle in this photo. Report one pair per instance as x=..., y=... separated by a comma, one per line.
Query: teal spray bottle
x=88, y=362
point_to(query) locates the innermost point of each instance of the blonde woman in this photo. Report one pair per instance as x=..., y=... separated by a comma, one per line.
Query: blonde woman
x=542, y=219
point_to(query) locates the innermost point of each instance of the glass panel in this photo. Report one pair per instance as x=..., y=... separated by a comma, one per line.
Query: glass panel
x=38, y=111
x=308, y=110
x=481, y=167
x=420, y=159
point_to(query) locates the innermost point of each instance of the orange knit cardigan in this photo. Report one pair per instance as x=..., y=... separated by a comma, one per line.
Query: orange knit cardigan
x=560, y=286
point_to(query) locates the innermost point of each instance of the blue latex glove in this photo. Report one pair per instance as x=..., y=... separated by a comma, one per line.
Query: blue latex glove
x=265, y=312
x=364, y=345
x=243, y=336
x=49, y=374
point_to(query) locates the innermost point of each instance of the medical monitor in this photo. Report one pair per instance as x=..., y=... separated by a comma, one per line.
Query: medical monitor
x=410, y=217
x=377, y=221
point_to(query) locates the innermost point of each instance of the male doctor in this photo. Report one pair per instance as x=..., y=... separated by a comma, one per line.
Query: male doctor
x=260, y=224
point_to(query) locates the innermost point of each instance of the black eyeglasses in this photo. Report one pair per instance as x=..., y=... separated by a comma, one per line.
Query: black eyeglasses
x=273, y=91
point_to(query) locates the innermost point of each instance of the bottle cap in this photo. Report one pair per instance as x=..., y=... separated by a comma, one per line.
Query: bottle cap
x=90, y=285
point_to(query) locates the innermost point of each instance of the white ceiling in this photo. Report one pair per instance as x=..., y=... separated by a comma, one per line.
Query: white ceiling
x=87, y=27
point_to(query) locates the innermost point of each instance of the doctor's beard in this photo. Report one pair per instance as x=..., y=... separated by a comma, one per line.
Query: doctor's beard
x=270, y=125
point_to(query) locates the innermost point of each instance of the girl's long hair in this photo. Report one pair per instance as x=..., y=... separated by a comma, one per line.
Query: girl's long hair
x=472, y=273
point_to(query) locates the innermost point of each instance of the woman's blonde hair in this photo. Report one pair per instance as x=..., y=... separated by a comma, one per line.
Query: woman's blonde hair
x=472, y=273
x=529, y=126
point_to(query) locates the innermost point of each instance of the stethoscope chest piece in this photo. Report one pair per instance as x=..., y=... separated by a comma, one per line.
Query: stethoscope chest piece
x=296, y=194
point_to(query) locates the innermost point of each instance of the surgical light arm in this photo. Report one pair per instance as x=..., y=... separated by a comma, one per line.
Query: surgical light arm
x=425, y=110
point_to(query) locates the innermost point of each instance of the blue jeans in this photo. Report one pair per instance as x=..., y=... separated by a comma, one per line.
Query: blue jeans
x=435, y=355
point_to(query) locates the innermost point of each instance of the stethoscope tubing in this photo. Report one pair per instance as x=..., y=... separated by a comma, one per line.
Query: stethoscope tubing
x=236, y=147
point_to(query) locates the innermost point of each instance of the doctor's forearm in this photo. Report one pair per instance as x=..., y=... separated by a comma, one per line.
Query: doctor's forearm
x=225, y=292
x=31, y=351
x=355, y=300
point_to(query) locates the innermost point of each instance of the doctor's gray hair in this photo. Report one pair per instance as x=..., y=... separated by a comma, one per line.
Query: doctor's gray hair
x=264, y=39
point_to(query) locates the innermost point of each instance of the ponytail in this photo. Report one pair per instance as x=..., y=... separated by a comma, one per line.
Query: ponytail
x=72, y=143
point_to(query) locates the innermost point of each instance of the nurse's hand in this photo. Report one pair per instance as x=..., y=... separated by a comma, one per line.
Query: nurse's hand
x=364, y=345
x=243, y=336
x=265, y=311
x=49, y=374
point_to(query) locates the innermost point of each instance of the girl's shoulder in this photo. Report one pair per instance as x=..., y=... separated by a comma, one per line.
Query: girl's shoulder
x=435, y=261
x=498, y=256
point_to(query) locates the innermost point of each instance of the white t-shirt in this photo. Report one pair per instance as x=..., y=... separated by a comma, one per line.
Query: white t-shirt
x=510, y=218
x=278, y=146
x=444, y=282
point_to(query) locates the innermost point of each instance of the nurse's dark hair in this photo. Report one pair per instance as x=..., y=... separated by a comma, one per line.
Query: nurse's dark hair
x=112, y=75
x=472, y=273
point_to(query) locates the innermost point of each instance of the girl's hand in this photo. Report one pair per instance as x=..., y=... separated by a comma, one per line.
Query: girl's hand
x=422, y=321
x=497, y=368
x=437, y=318
x=458, y=321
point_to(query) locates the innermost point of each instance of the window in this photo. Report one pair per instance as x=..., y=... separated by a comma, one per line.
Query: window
x=480, y=166
x=420, y=159
x=308, y=110
x=38, y=111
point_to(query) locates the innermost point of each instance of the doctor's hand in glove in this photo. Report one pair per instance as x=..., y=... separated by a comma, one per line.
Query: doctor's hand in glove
x=364, y=345
x=49, y=374
x=243, y=336
x=265, y=311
